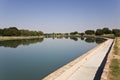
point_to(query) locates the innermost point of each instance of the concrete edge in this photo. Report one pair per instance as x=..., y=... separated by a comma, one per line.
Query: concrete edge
x=63, y=69
x=106, y=69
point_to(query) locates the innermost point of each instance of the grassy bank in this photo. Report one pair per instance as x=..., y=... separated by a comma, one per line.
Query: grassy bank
x=115, y=62
x=109, y=35
x=17, y=38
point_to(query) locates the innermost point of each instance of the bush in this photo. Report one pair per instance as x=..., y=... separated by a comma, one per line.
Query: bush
x=89, y=32
x=13, y=31
x=99, y=32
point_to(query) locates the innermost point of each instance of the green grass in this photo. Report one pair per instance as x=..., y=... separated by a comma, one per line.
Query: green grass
x=109, y=35
x=115, y=69
x=116, y=47
x=115, y=63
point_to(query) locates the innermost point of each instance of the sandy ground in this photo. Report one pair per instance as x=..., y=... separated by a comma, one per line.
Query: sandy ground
x=16, y=38
x=115, y=55
x=106, y=73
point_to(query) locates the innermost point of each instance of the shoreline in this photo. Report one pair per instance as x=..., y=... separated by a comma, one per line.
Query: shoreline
x=106, y=69
x=113, y=61
x=3, y=38
x=69, y=69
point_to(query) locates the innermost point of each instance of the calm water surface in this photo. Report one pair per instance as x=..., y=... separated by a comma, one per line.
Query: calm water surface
x=35, y=59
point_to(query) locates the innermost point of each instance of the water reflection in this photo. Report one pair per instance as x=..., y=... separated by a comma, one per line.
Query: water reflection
x=82, y=38
x=74, y=38
x=16, y=43
x=90, y=40
x=36, y=61
x=97, y=40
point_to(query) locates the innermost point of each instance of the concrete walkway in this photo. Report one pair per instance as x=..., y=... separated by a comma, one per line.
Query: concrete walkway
x=86, y=68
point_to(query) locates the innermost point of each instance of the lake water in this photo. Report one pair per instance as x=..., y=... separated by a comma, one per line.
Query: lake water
x=34, y=59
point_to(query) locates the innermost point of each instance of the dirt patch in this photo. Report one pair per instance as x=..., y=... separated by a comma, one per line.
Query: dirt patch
x=114, y=73
x=3, y=38
x=112, y=67
x=116, y=57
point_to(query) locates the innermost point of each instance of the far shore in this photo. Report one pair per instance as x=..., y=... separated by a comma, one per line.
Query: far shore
x=2, y=38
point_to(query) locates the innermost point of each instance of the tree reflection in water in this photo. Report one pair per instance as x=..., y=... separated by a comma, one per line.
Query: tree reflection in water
x=74, y=38
x=97, y=40
x=90, y=40
x=82, y=38
x=16, y=43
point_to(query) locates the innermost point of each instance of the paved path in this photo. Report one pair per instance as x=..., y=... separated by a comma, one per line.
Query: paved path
x=86, y=68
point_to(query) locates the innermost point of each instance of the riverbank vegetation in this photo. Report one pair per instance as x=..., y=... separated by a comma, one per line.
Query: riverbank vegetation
x=105, y=32
x=13, y=31
x=115, y=62
x=14, y=43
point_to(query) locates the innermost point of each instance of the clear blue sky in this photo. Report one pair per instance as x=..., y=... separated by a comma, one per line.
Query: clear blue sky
x=60, y=15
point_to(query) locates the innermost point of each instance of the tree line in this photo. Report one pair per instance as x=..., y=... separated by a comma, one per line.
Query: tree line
x=99, y=32
x=13, y=31
x=103, y=31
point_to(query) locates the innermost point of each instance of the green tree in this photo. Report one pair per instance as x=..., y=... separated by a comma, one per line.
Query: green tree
x=74, y=33
x=82, y=34
x=31, y=33
x=99, y=32
x=1, y=32
x=89, y=32
x=24, y=32
x=40, y=33
x=116, y=32
x=12, y=31
x=66, y=34
x=106, y=31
